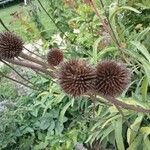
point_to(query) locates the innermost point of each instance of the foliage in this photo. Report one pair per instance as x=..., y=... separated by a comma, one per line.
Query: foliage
x=50, y=119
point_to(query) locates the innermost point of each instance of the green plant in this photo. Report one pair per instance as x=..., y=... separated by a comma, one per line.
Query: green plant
x=50, y=119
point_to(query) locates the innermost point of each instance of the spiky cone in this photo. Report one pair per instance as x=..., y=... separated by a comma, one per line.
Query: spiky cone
x=112, y=78
x=10, y=45
x=76, y=77
x=55, y=57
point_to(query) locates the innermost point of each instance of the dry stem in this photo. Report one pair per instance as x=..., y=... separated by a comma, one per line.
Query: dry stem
x=31, y=66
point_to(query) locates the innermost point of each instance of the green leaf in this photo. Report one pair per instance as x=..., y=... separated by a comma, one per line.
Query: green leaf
x=146, y=66
x=52, y=126
x=119, y=9
x=95, y=46
x=41, y=145
x=145, y=130
x=106, y=132
x=137, y=141
x=59, y=98
x=105, y=50
x=146, y=143
x=64, y=109
x=118, y=134
x=142, y=49
x=131, y=133
x=59, y=128
x=45, y=123
x=110, y=120
x=144, y=88
x=142, y=34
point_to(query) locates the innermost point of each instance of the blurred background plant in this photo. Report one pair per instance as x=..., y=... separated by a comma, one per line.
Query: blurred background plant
x=93, y=30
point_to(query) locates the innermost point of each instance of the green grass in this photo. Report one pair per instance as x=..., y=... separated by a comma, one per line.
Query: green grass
x=5, y=15
x=20, y=27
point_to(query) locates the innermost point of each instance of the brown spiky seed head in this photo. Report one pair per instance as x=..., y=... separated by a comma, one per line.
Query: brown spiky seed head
x=55, y=56
x=10, y=45
x=76, y=77
x=112, y=78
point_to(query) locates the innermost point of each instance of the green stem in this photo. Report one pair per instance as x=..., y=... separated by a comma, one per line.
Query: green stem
x=2, y=23
x=53, y=20
x=113, y=33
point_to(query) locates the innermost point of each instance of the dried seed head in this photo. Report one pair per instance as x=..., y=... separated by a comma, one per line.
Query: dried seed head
x=55, y=56
x=112, y=78
x=10, y=45
x=76, y=77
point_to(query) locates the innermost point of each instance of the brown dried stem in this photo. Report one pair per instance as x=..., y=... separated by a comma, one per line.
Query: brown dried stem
x=31, y=66
x=101, y=19
x=127, y=106
x=33, y=59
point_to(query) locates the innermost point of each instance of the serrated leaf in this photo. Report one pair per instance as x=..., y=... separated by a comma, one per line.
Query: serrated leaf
x=106, y=132
x=110, y=120
x=142, y=34
x=64, y=109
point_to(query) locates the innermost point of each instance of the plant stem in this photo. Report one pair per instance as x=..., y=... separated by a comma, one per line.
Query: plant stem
x=20, y=74
x=101, y=19
x=2, y=23
x=31, y=66
x=35, y=60
x=122, y=114
x=32, y=52
x=2, y=74
x=113, y=33
x=16, y=72
x=127, y=106
x=53, y=21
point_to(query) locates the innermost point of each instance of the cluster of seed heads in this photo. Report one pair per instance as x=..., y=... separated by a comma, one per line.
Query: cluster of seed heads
x=76, y=76
x=109, y=78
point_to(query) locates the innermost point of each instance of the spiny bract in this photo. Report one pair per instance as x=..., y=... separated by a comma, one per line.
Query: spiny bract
x=76, y=77
x=10, y=45
x=55, y=57
x=112, y=78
